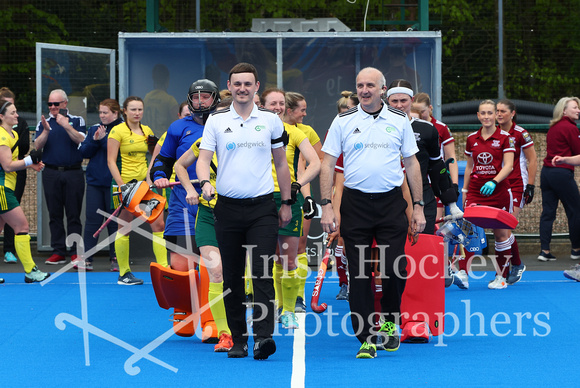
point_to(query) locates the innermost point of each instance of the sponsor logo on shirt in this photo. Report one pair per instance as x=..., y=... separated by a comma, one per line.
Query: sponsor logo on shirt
x=228, y=130
x=484, y=158
x=248, y=144
x=359, y=146
x=356, y=131
x=390, y=129
x=260, y=127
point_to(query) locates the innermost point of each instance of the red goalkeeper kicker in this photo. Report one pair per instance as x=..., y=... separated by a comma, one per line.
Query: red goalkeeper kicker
x=319, y=280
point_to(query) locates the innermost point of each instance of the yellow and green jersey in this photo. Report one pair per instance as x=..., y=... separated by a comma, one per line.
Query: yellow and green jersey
x=295, y=137
x=132, y=159
x=313, y=137
x=8, y=179
x=212, y=173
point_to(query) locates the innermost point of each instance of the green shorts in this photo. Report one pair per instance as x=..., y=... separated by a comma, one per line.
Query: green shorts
x=294, y=227
x=204, y=227
x=8, y=200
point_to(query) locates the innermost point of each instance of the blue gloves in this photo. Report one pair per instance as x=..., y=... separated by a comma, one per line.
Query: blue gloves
x=488, y=188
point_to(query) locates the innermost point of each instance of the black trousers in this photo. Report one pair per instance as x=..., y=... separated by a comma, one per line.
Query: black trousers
x=98, y=197
x=558, y=184
x=251, y=224
x=18, y=192
x=64, y=191
x=382, y=216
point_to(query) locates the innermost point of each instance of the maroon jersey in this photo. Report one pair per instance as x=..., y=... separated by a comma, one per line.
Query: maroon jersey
x=487, y=155
x=522, y=140
x=563, y=139
x=445, y=136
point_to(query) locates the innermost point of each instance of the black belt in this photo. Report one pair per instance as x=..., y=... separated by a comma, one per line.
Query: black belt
x=358, y=193
x=247, y=201
x=63, y=168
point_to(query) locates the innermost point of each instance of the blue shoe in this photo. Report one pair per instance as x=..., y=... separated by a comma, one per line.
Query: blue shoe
x=516, y=274
x=10, y=258
x=573, y=273
x=574, y=254
x=35, y=275
x=300, y=306
x=129, y=280
x=289, y=320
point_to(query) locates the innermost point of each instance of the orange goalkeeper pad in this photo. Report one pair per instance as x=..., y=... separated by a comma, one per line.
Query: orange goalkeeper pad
x=424, y=296
x=143, y=203
x=488, y=217
x=173, y=288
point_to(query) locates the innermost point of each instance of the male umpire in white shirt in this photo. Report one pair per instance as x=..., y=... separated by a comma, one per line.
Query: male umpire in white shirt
x=244, y=138
x=372, y=137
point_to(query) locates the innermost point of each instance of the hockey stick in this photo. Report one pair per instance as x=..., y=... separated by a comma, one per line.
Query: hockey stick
x=117, y=210
x=115, y=213
x=171, y=184
x=320, y=279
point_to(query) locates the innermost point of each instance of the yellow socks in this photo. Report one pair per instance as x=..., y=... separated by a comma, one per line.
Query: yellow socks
x=290, y=283
x=22, y=246
x=122, y=251
x=302, y=272
x=218, y=310
x=277, y=272
x=159, y=249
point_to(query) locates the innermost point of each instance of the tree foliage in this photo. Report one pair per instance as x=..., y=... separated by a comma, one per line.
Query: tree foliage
x=541, y=40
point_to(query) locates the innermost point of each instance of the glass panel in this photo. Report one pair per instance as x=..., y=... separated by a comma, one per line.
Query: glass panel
x=84, y=76
x=163, y=79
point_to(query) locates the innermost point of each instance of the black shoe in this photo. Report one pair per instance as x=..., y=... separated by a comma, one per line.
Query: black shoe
x=543, y=256
x=389, y=330
x=264, y=348
x=239, y=350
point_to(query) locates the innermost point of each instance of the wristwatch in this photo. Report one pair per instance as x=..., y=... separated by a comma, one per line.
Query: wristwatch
x=325, y=201
x=286, y=202
x=420, y=203
x=203, y=182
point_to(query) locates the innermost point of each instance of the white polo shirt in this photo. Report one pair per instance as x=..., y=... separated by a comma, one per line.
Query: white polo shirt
x=372, y=147
x=243, y=150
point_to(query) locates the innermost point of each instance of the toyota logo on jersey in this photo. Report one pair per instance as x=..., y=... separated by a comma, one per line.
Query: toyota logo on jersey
x=484, y=158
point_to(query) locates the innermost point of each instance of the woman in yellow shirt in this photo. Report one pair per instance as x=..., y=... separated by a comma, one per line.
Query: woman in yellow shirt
x=126, y=157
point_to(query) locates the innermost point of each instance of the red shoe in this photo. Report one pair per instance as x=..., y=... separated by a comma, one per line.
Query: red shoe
x=55, y=259
x=225, y=344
